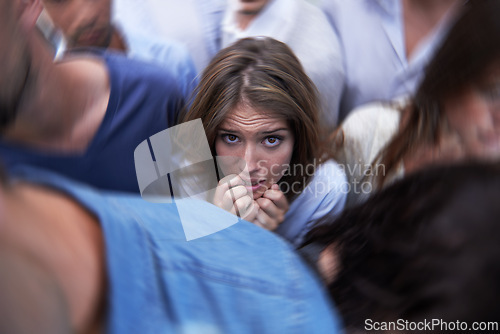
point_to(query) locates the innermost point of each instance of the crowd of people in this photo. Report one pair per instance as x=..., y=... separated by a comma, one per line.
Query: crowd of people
x=348, y=154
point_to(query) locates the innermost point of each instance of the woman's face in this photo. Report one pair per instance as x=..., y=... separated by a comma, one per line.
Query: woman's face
x=474, y=115
x=263, y=141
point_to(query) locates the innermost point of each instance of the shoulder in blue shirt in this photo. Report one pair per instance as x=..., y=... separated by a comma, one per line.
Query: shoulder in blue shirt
x=243, y=279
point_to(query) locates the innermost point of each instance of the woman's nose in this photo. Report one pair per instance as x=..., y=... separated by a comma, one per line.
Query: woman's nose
x=251, y=158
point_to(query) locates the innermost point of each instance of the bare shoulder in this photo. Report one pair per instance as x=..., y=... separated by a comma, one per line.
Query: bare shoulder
x=87, y=68
x=90, y=102
x=56, y=233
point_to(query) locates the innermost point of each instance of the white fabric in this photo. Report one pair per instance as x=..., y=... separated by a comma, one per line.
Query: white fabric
x=165, y=53
x=305, y=29
x=366, y=131
x=193, y=23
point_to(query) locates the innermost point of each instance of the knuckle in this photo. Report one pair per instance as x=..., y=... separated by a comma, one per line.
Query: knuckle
x=222, y=187
x=236, y=180
x=243, y=202
x=266, y=203
x=227, y=197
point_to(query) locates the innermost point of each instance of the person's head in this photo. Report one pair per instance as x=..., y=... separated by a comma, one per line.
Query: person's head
x=83, y=22
x=460, y=93
x=17, y=26
x=256, y=103
x=424, y=248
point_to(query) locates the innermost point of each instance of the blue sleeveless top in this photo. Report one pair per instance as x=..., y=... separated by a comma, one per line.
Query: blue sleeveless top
x=144, y=99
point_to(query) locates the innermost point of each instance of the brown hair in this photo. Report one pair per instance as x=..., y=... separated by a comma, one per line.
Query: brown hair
x=424, y=247
x=472, y=45
x=265, y=74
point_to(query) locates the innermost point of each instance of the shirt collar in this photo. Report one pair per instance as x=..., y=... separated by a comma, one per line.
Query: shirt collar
x=272, y=21
x=389, y=7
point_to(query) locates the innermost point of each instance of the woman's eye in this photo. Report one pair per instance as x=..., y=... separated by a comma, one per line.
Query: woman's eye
x=272, y=141
x=230, y=138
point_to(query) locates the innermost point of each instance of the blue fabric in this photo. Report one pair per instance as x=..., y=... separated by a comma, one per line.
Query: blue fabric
x=193, y=23
x=144, y=100
x=325, y=194
x=243, y=279
x=213, y=11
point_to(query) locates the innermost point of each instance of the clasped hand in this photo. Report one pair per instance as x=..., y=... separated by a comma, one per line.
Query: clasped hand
x=267, y=211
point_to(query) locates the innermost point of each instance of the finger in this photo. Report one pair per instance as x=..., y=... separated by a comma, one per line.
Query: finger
x=228, y=199
x=243, y=205
x=278, y=197
x=251, y=212
x=271, y=209
x=232, y=180
x=221, y=189
x=225, y=201
x=225, y=196
x=262, y=219
x=238, y=192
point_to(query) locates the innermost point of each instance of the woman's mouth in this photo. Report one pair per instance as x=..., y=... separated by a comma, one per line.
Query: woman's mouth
x=255, y=185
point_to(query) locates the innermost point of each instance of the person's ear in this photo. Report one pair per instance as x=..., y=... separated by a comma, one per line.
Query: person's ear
x=29, y=12
x=329, y=263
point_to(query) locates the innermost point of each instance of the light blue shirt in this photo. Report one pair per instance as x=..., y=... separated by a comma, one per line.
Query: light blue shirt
x=168, y=54
x=242, y=279
x=326, y=193
x=305, y=29
x=371, y=35
x=193, y=23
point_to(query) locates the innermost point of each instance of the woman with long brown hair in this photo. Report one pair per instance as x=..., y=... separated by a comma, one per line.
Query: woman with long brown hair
x=257, y=104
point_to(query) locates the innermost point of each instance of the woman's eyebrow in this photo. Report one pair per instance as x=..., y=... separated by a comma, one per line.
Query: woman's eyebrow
x=226, y=130
x=261, y=132
x=273, y=131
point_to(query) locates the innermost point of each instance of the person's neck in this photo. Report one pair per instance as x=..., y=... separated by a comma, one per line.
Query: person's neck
x=421, y=17
x=243, y=20
x=117, y=41
x=433, y=9
x=64, y=107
